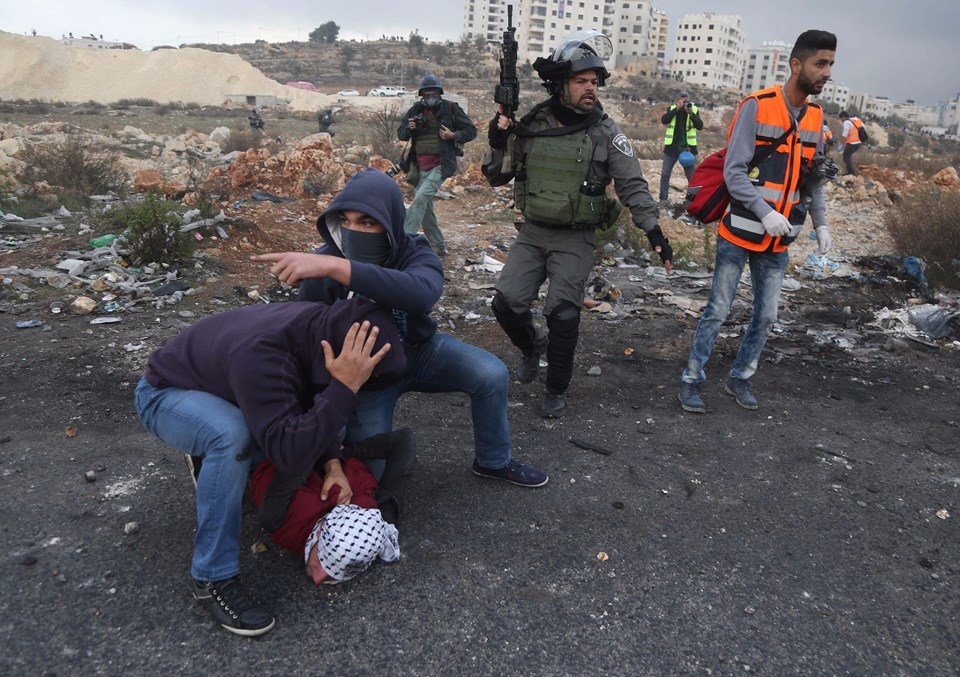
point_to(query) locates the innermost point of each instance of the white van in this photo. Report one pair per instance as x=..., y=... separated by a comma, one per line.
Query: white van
x=387, y=90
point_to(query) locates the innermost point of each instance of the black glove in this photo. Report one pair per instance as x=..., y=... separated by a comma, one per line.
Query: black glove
x=497, y=137
x=658, y=239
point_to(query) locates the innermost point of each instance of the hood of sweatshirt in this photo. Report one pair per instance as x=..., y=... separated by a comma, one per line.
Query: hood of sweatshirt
x=376, y=195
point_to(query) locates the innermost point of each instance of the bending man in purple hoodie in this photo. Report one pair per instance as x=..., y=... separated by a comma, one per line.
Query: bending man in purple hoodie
x=252, y=383
x=367, y=253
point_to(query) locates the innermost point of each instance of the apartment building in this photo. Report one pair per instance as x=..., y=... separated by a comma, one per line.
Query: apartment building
x=870, y=106
x=485, y=18
x=637, y=37
x=834, y=92
x=710, y=50
x=767, y=65
x=916, y=113
x=659, y=30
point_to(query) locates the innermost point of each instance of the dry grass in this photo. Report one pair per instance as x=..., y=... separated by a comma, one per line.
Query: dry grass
x=926, y=225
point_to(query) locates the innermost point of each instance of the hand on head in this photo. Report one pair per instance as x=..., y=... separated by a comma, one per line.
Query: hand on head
x=356, y=361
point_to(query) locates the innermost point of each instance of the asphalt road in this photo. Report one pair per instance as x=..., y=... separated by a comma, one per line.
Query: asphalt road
x=817, y=535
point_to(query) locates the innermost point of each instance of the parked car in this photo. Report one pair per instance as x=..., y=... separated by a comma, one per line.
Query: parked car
x=300, y=84
x=348, y=92
x=387, y=90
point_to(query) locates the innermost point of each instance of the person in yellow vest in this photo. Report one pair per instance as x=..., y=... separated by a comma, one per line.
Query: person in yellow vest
x=768, y=206
x=851, y=141
x=682, y=120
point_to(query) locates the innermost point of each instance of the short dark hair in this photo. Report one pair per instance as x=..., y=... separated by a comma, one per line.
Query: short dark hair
x=811, y=42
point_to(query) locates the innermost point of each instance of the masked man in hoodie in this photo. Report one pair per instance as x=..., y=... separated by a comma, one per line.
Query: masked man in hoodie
x=367, y=253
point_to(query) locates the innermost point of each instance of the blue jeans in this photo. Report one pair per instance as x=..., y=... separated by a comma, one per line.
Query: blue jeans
x=766, y=274
x=669, y=160
x=444, y=364
x=201, y=424
x=420, y=215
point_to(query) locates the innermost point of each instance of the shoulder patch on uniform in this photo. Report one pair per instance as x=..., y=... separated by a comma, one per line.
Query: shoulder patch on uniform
x=622, y=144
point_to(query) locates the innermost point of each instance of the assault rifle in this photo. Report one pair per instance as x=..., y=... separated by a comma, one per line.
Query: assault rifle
x=507, y=92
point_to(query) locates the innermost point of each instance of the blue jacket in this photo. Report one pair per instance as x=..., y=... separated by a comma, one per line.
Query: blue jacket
x=411, y=280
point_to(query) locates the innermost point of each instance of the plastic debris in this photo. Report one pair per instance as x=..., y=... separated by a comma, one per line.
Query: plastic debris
x=29, y=324
x=103, y=240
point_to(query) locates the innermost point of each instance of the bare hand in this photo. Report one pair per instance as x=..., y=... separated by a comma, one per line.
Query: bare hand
x=445, y=133
x=503, y=122
x=294, y=267
x=353, y=366
x=411, y=124
x=333, y=477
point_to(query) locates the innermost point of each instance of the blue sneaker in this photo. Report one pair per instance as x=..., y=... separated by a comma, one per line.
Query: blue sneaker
x=515, y=473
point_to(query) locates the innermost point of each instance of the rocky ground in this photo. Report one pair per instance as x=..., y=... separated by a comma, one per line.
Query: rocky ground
x=815, y=535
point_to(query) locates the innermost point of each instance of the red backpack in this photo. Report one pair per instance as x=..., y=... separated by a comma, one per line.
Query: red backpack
x=707, y=196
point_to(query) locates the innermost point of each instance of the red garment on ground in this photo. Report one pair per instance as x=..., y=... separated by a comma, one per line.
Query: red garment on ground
x=307, y=506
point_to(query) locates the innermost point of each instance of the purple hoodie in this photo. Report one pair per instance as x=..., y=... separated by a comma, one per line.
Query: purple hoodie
x=411, y=280
x=267, y=360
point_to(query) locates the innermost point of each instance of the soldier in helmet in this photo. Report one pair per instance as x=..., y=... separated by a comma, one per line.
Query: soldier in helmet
x=564, y=201
x=437, y=130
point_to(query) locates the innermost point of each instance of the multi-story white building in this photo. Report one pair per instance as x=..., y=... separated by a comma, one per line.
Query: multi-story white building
x=542, y=24
x=710, y=50
x=950, y=117
x=834, y=92
x=485, y=18
x=871, y=106
x=767, y=65
x=659, y=30
x=916, y=113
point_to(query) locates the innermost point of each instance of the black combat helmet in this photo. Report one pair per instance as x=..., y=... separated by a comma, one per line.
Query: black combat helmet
x=580, y=51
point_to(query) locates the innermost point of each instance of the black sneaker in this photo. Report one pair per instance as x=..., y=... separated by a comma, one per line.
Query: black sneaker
x=553, y=405
x=740, y=389
x=231, y=606
x=690, y=397
x=530, y=363
x=515, y=473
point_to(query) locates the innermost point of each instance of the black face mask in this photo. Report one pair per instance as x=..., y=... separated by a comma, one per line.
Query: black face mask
x=365, y=247
x=431, y=101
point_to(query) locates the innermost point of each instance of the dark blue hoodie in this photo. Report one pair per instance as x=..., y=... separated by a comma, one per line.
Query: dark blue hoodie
x=410, y=281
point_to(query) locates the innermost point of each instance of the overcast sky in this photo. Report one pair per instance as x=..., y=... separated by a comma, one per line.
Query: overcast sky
x=902, y=50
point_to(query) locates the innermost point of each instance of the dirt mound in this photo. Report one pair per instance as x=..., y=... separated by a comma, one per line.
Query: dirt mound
x=42, y=68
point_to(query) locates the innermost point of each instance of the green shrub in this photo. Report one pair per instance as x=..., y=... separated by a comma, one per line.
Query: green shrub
x=152, y=230
x=925, y=224
x=74, y=164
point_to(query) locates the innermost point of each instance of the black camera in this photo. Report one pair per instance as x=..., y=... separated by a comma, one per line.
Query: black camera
x=688, y=105
x=420, y=120
x=400, y=166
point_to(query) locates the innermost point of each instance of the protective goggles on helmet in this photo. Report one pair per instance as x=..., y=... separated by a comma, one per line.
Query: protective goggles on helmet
x=572, y=46
x=584, y=50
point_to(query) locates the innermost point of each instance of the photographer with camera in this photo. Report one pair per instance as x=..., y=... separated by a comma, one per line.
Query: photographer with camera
x=437, y=130
x=679, y=142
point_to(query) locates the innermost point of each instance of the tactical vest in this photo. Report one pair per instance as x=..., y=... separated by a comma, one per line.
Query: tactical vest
x=778, y=177
x=428, y=140
x=555, y=186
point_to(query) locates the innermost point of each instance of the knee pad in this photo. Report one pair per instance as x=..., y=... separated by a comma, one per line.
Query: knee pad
x=503, y=313
x=564, y=319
